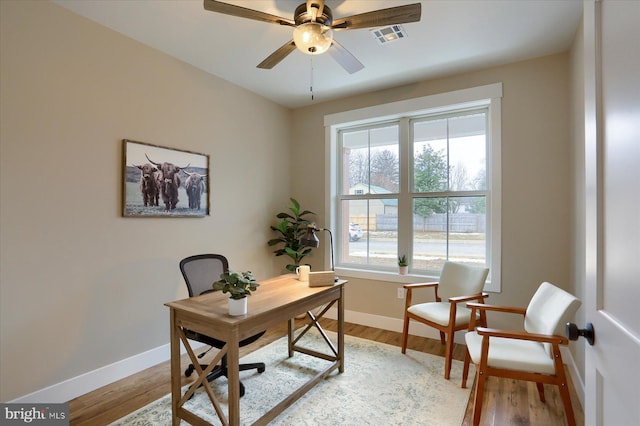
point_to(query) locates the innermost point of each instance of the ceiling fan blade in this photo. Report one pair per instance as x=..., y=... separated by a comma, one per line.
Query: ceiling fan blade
x=243, y=12
x=277, y=56
x=380, y=18
x=345, y=58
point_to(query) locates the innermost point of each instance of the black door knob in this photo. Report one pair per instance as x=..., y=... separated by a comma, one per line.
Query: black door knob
x=573, y=332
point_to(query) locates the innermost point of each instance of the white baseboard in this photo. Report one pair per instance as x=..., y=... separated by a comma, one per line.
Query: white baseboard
x=88, y=382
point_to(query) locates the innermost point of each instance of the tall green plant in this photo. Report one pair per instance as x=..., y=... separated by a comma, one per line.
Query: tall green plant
x=292, y=226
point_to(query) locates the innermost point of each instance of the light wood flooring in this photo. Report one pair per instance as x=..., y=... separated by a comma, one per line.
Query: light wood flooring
x=506, y=402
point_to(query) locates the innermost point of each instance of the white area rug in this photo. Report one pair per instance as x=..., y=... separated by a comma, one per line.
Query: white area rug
x=379, y=386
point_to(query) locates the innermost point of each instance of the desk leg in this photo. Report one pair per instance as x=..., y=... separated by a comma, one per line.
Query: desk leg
x=175, y=370
x=291, y=327
x=341, y=330
x=233, y=364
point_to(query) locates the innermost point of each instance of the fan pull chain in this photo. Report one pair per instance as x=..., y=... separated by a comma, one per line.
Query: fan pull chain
x=311, y=77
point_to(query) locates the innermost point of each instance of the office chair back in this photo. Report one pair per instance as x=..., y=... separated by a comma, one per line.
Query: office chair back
x=201, y=271
x=457, y=279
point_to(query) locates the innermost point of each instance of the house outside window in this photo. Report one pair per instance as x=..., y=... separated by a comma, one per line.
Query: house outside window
x=420, y=182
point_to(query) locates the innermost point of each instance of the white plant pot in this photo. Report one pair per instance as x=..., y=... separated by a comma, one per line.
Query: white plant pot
x=237, y=307
x=403, y=270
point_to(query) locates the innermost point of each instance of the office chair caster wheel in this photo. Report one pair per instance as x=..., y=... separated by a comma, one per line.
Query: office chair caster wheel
x=189, y=371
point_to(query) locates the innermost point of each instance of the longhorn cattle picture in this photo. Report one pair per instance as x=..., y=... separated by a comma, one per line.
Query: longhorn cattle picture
x=164, y=182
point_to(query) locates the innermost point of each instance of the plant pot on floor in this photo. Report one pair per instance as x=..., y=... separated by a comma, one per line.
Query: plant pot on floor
x=237, y=307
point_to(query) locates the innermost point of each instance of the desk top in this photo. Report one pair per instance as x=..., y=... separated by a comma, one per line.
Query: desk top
x=278, y=298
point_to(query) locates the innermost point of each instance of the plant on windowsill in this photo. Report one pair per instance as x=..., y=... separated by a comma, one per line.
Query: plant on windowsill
x=403, y=265
x=239, y=285
x=292, y=226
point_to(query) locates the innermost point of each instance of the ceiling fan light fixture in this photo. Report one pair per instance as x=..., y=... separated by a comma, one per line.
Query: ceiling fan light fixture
x=312, y=38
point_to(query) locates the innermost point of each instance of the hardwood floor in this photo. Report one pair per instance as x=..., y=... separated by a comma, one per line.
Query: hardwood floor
x=506, y=402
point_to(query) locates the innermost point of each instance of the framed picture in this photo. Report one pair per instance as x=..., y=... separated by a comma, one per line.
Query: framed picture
x=164, y=182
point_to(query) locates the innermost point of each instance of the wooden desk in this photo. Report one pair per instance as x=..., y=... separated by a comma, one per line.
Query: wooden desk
x=277, y=299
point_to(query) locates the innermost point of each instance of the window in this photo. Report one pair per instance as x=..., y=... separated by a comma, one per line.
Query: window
x=419, y=178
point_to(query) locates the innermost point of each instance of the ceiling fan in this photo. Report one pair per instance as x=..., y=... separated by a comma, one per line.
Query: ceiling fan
x=313, y=24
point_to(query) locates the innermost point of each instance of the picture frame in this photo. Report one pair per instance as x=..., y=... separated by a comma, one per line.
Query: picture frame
x=164, y=182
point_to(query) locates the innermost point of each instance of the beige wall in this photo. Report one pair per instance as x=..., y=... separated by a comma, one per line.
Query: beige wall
x=81, y=286
x=536, y=184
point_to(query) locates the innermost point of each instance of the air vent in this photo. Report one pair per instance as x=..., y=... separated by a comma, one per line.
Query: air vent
x=388, y=34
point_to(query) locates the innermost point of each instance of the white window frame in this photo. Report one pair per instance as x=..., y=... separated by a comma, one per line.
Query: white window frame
x=489, y=96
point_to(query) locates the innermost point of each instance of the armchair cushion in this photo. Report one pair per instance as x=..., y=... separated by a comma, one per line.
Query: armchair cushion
x=438, y=312
x=511, y=354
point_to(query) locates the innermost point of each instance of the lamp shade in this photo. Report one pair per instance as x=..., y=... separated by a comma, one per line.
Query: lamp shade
x=312, y=38
x=310, y=239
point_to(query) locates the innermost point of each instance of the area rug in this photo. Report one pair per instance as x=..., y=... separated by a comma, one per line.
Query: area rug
x=379, y=386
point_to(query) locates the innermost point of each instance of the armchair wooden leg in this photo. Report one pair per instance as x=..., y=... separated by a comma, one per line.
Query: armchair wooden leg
x=465, y=369
x=448, y=357
x=477, y=402
x=540, y=387
x=405, y=334
x=566, y=400
x=442, y=338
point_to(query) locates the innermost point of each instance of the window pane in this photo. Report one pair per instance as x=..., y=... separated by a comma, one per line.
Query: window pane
x=371, y=236
x=467, y=230
x=456, y=233
x=385, y=164
x=430, y=170
x=467, y=152
x=429, y=233
x=355, y=160
x=370, y=159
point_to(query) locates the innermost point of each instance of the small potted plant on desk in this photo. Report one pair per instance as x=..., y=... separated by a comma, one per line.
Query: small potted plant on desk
x=403, y=265
x=239, y=285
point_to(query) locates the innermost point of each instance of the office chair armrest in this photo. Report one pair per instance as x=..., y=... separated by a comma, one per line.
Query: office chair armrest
x=522, y=335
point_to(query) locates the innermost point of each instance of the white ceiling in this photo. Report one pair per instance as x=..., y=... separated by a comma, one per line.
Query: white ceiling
x=453, y=36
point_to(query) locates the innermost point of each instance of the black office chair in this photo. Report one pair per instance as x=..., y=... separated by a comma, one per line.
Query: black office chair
x=200, y=272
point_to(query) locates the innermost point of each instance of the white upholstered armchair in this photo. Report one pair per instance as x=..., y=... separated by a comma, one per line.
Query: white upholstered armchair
x=532, y=355
x=458, y=284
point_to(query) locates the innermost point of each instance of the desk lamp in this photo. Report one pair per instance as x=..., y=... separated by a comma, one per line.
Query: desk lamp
x=310, y=239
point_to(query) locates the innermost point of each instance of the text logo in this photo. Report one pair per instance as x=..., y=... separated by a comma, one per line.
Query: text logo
x=36, y=414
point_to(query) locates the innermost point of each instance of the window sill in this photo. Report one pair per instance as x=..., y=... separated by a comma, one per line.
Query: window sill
x=394, y=277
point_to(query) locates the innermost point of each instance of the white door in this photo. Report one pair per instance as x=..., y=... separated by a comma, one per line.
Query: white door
x=612, y=160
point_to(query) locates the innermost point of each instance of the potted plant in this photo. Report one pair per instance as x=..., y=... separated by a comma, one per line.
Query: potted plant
x=403, y=264
x=239, y=285
x=292, y=226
